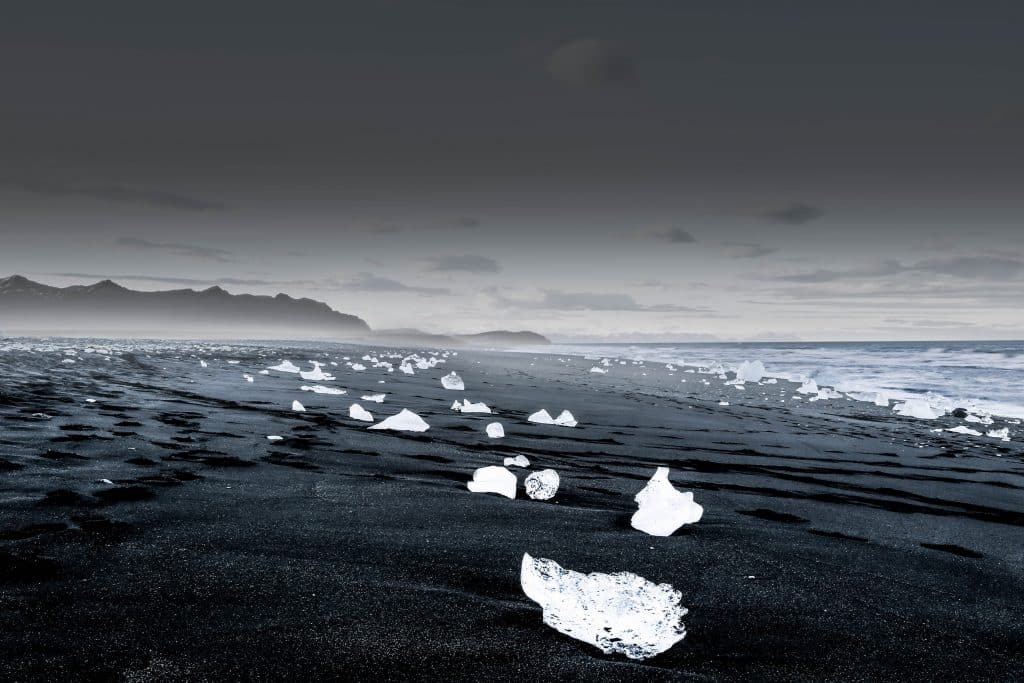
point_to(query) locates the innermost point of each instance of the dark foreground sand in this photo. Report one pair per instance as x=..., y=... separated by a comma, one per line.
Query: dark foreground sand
x=347, y=554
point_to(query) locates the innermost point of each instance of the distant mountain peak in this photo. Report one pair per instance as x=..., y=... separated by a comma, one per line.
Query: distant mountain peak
x=106, y=308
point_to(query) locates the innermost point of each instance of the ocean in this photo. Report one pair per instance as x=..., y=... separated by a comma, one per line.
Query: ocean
x=986, y=377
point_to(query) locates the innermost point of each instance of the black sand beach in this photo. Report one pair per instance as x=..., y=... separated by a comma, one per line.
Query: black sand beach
x=839, y=541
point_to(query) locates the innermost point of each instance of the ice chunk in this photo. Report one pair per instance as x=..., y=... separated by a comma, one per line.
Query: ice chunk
x=663, y=509
x=598, y=371
x=917, y=407
x=375, y=398
x=542, y=485
x=286, y=366
x=542, y=417
x=319, y=389
x=274, y=437
x=249, y=378
x=495, y=430
x=405, y=421
x=470, y=407
x=453, y=382
x=203, y=364
x=518, y=461
x=358, y=367
x=961, y=429
x=317, y=374
x=750, y=371
x=808, y=387
x=1003, y=434
x=298, y=407
x=407, y=369
x=493, y=479
x=619, y=613
x=357, y=412
x=565, y=419
x=264, y=372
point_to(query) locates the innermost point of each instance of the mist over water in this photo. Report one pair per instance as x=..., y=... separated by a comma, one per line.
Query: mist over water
x=985, y=376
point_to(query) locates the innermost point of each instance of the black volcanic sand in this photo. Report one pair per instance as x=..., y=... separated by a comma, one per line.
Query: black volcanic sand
x=839, y=542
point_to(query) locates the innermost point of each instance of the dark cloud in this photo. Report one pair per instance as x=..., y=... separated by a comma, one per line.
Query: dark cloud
x=464, y=263
x=114, y=193
x=185, y=281
x=796, y=213
x=749, y=250
x=995, y=268
x=368, y=282
x=591, y=62
x=188, y=250
x=468, y=222
x=558, y=300
x=670, y=234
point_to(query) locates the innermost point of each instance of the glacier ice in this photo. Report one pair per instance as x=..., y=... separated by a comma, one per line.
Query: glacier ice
x=298, y=407
x=808, y=387
x=495, y=430
x=357, y=412
x=518, y=461
x=917, y=407
x=374, y=398
x=663, y=509
x=542, y=417
x=470, y=407
x=967, y=431
x=286, y=366
x=248, y=378
x=453, y=382
x=619, y=613
x=542, y=485
x=274, y=437
x=598, y=371
x=750, y=371
x=1003, y=434
x=317, y=374
x=404, y=421
x=493, y=479
x=319, y=389
x=565, y=419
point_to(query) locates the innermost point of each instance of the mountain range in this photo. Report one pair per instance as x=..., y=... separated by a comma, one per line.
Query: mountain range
x=109, y=309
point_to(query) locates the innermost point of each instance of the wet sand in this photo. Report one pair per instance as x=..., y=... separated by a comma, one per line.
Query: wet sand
x=879, y=550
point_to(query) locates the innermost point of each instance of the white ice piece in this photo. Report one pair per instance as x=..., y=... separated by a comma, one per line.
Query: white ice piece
x=453, y=382
x=917, y=407
x=1002, y=434
x=203, y=364
x=493, y=479
x=542, y=417
x=598, y=371
x=619, y=613
x=249, y=378
x=808, y=387
x=663, y=509
x=358, y=367
x=357, y=412
x=274, y=437
x=286, y=366
x=320, y=389
x=518, y=461
x=470, y=407
x=374, y=398
x=298, y=407
x=565, y=419
x=495, y=430
x=967, y=431
x=405, y=421
x=750, y=371
x=317, y=374
x=542, y=485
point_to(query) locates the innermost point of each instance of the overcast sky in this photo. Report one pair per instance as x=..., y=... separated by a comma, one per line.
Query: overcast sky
x=590, y=169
